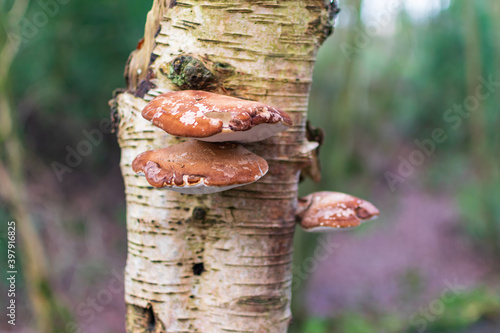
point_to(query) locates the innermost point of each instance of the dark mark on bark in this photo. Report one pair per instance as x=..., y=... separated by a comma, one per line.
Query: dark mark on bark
x=114, y=115
x=199, y=213
x=158, y=31
x=198, y=269
x=152, y=58
x=323, y=25
x=333, y=10
x=261, y=303
x=150, y=318
x=224, y=69
x=143, y=319
x=143, y=87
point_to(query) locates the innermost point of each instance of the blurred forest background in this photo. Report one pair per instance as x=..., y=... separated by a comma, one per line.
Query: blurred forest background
x=407, y=93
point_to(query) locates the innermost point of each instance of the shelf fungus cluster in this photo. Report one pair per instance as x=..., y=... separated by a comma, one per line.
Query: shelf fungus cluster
x=212, y=159
x=328, y=211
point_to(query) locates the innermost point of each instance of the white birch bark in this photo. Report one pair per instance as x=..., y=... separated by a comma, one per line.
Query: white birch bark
x=220, y=262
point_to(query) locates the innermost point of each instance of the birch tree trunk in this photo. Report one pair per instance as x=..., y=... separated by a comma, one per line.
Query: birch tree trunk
x=220, y=262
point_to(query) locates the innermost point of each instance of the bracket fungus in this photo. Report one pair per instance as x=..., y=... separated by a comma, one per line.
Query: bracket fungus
x=327, y=211
x=215, y=118
x=196, y=167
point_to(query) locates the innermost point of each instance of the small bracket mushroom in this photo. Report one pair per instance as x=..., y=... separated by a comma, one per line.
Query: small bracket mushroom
x=215, y=118
x=196, y=167
x=327, y=211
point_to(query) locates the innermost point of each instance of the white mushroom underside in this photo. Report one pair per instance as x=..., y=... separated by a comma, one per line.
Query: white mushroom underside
x=369, y=219
x=256, y=133
x=328, y=229
x=199, y=188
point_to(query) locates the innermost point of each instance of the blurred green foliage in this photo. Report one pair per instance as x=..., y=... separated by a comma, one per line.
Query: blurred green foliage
x=390, y=89
x=74, y=62
x=400, y=87
x=67, y=69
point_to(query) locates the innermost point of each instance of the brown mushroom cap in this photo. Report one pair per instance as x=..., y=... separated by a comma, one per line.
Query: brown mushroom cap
x=214, y=118
x=196, y=167
x=323, y=211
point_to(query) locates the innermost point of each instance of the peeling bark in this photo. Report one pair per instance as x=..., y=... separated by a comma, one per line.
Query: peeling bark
x=220, y=262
